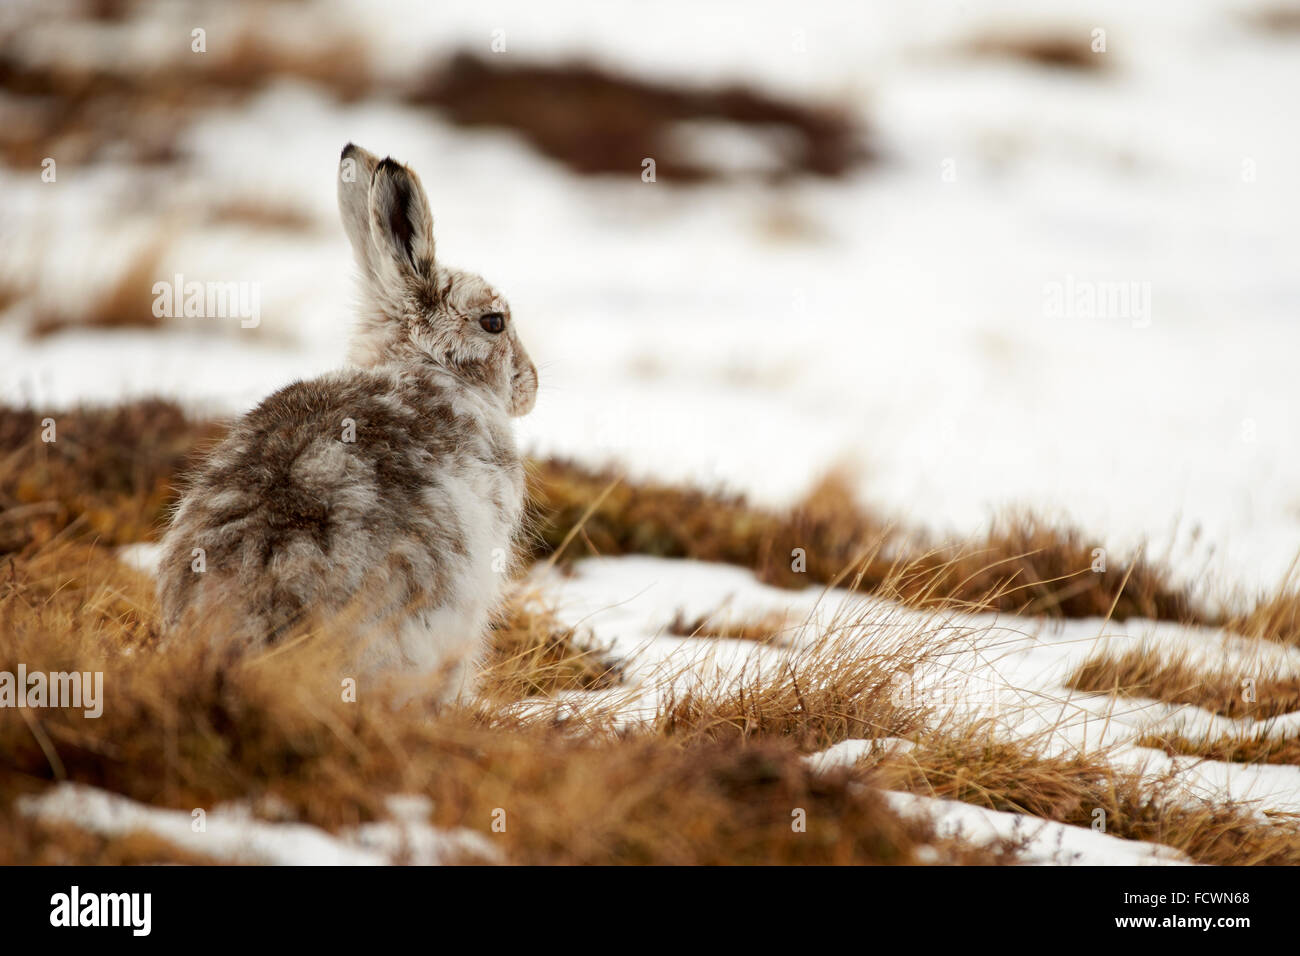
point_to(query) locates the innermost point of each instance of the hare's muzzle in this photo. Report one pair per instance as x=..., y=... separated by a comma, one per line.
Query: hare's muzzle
x=523, y=381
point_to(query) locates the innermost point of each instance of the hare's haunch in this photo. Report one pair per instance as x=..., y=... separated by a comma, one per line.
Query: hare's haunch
x=387, y=493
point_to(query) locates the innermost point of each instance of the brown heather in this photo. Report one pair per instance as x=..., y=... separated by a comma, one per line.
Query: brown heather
x=81, y=112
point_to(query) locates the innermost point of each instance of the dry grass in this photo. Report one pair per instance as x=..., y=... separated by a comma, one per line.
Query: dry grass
x=183, y=727
x=640, y=802
x=1250, y=748
x=338, y=63
x=976, y=766
x=1146, y=672
x=841, y=685
x=772, y=628
x=1022, y=566
x=11, y=291
x=1062, y=51
x=591, y=119
x=26, y=842
x=1276, y=615
x=114, y=471
x=127, y=303
x=79, y=113
x=109, y=474
x=262, y=214
x=534, y=654
x=807, y=703
x=832, y=694
x=595, y=121
x=712, y=776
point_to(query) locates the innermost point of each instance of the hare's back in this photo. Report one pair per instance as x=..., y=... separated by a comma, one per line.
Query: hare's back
x=319, y=490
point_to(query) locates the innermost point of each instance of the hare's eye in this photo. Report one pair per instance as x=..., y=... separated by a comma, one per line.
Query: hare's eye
x=493, y=322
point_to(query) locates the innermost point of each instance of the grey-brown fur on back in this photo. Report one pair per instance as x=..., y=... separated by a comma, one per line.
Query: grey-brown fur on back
x=390, y=490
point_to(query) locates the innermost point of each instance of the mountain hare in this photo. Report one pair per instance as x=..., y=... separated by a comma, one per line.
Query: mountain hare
x=387, y=493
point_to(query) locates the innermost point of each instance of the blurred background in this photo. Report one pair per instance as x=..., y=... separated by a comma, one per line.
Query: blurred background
x=979, y=255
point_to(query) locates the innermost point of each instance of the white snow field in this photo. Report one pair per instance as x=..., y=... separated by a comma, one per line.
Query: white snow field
x=903, y=324
x=903, y=320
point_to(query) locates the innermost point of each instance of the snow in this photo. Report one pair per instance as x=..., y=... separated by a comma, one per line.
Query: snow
x=902, y=328
x=232, y=834
x=987, y=666
x=901, y=325
x=846, y=753
x=1047, y=843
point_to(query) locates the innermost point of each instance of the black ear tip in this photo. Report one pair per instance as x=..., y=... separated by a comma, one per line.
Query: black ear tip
x=347, y=149
x=390, y=165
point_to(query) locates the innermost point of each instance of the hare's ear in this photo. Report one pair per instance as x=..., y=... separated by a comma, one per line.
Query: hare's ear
x=356, y=170
x=401, y=225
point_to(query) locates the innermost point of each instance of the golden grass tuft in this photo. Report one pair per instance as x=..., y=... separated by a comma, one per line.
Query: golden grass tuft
x=533, y=654
x=1243, y=748
x=976, y=766
x=1147, y=672
x=1023, y=565
x=840, y=686
x=1275, y=616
